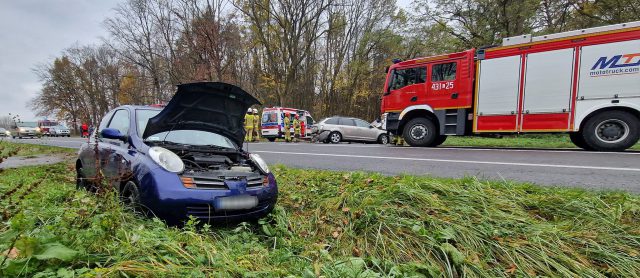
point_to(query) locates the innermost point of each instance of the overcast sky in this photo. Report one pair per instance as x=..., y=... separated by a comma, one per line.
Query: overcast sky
x=34, y=32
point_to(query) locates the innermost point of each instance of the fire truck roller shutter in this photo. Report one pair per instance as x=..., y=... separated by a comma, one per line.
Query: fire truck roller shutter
x=547, y=90
x=497, y=94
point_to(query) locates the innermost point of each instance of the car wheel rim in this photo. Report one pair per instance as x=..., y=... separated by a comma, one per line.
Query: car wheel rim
x=418, y=132
x=335, y=138
x=384, y=140
x=612, y=131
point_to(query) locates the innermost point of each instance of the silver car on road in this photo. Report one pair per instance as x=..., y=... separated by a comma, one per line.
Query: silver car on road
x=345, y=129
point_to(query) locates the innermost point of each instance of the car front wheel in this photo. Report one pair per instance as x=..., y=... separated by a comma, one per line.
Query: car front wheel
x=335, y=137
x=383, y=139
x=130, y=195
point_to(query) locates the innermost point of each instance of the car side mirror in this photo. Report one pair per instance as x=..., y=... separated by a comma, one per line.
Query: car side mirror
x=112, y=133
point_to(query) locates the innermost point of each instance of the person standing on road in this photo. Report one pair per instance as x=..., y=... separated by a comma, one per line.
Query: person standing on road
x=296, y=129
x=287, y=127
x=256, y=124
x=248, y=125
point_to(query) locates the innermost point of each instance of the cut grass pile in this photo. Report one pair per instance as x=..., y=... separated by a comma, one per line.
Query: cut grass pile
x=330, y=224
x=545, y=141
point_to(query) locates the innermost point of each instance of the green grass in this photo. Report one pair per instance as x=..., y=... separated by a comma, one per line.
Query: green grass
x=545, y=141
x=30, y=150
x=330, y=224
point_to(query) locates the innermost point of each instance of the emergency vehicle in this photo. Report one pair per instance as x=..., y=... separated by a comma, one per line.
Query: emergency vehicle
x=45, y=125
x=585, y=83
x=272, y=124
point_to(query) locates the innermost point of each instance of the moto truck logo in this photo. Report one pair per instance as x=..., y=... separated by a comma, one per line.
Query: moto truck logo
x=616, y=65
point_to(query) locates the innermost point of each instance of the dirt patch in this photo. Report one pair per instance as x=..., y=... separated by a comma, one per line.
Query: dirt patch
x=32, y=160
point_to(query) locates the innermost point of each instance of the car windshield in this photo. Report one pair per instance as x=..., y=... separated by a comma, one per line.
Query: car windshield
x=187, y=137
x=27, y=124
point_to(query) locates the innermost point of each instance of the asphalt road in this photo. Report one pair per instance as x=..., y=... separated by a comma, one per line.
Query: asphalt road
x=577, y=168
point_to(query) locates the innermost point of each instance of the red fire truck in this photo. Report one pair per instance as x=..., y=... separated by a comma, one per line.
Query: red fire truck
x=585, y=83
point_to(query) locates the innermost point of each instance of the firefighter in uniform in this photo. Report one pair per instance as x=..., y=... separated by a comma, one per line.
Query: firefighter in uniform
x=287, y=127
x=398, y=140
x=296, y=129
x=248, y=125
x=256, y=124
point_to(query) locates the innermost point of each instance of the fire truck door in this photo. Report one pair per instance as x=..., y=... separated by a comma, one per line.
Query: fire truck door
x=547, y=90
x=497, y=94
x=443, y=83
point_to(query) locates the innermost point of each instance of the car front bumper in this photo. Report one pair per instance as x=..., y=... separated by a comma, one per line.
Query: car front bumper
x=174, y=203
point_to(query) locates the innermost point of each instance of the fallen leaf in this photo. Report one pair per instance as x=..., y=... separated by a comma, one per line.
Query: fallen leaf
x=335, y=234
x=12, y=253
x=511, y=270
x=356, y=252
x=345, y=209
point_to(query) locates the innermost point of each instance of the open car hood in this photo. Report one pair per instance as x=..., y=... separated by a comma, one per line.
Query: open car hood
x=208, y=106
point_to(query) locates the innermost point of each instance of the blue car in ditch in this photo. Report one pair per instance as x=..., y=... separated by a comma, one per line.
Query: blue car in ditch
x=183, y=160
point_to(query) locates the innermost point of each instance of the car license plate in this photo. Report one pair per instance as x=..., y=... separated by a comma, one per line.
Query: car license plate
x=235, y=202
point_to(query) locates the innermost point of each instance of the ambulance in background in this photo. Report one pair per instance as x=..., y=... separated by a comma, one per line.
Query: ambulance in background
x=272, y=123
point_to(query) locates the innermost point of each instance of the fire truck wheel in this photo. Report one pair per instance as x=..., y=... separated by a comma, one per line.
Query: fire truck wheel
x=577, y=139
x=271, y=139
x=335, y=137
x=611, y=131
x=420, y=132
x=439, y=140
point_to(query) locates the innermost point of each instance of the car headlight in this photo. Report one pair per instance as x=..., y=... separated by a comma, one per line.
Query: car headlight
x=166, y=159
x=22, y=130
x=37, y=129
x=260, y=163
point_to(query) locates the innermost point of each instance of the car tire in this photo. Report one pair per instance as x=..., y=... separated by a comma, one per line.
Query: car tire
x=577, y=138
x=420, y=132
x=335, y=137
x=439, y=140
x=383, y=139
x=611, y=131
x=130, y=196
x=271, y=139
x=83, y=183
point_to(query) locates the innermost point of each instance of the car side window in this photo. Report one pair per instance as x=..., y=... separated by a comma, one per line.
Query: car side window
x=443, y=72
x=331, y=121
x=406, y=77
x=346, y=121
x=361, y=123
x=120, y=121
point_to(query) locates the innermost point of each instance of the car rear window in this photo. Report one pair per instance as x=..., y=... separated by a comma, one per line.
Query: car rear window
x=331, y=121
x=347, y=121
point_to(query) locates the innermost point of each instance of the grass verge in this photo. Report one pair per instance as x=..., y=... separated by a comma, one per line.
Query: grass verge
x=24, y=149
x=543, y=141
x=326, y=223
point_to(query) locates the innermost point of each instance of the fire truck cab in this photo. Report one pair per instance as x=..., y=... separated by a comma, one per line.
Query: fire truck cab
x=585, y=83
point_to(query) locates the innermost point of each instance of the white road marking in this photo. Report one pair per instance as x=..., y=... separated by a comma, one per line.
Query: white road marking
x=506, y=149
x=458, y=161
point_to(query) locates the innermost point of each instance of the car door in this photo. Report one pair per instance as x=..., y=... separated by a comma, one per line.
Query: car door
x=365, y=131
x=88, y=155
x=348, y=128
x=116, y=157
